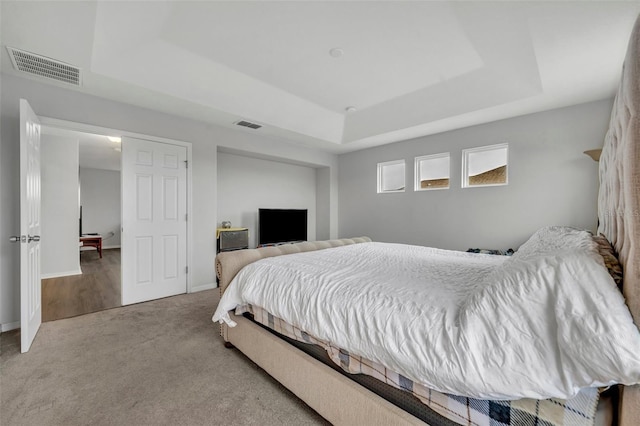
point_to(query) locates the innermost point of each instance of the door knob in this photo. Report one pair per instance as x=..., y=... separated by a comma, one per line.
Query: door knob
x=17, y=239
x=35, y=238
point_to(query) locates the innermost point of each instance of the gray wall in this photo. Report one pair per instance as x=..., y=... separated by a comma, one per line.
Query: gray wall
x=323, y=194
x=100, y=199
x=246, y=184
x=551, y=182
x=59, y=207
x=69, y=104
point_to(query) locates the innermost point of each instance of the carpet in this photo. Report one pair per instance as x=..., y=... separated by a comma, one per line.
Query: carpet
x=155, y=363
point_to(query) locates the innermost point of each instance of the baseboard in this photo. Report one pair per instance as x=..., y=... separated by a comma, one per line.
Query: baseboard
x=9, y=326
x=202, y=287
x=111, y=247
x=61, y=274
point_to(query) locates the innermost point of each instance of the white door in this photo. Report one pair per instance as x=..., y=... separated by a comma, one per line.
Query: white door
x=154, y=220
x=30, y=287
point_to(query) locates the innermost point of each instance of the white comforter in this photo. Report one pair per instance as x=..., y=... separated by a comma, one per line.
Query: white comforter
x=544, y=323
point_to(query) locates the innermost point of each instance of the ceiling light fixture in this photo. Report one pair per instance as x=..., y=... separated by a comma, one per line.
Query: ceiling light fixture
x=351, y=109
x=115, y=139
x=336, y=52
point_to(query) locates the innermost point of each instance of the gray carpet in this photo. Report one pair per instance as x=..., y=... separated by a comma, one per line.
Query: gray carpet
x=155, y=363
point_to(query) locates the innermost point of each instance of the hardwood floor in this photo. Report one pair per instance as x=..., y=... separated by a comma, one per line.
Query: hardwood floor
x=97, y=289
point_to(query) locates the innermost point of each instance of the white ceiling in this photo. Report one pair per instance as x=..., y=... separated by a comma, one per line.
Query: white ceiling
x=409, y=68
x=98, y=152
x=94, y=151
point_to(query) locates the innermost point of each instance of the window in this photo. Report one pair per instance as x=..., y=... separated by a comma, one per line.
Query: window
x=432, y=172
x=391, y=176
x=485, y=166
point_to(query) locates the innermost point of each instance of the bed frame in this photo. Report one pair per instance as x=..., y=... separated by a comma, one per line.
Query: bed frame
x=334, y=396
x=342, y=401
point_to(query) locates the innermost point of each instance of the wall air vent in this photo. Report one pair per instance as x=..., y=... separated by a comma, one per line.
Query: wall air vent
x=248, y=124
x=44, y=67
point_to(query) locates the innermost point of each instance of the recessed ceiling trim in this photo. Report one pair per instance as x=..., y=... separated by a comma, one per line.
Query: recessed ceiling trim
x=44, y=67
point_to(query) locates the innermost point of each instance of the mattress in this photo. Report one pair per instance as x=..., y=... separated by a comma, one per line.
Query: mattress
x=436, y=408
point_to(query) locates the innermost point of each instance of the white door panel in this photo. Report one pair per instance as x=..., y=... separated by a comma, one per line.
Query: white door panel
x=30, y=287
x=154, y=220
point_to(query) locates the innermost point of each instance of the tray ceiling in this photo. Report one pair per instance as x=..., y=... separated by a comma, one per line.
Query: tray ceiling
x=407, y=68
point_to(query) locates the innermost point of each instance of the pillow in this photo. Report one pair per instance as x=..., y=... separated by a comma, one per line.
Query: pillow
x=610, y=258
x=551, y=240
x=555, y=240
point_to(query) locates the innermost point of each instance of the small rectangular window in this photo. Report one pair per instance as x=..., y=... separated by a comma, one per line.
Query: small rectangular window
x=485, y=166
x=391, y=175
x=432, y=172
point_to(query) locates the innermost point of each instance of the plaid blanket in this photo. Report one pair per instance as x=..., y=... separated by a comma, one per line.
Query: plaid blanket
x=577, y=411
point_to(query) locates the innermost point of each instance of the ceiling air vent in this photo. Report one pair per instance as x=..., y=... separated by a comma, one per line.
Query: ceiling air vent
x=44, y=67
x=248, y=124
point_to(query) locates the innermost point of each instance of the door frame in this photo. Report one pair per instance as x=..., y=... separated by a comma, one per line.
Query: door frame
x=90, y=128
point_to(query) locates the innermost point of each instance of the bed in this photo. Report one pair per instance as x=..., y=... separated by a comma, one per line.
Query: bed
x=343, y=401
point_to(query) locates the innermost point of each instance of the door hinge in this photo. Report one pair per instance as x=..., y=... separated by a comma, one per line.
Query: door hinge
x=186, y=216
x=186, y=164
x=186, y=269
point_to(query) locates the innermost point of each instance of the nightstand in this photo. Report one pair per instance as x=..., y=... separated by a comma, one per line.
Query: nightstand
x=229, y=239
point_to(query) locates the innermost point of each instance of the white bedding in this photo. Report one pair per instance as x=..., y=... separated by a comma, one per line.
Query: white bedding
x=543, y=323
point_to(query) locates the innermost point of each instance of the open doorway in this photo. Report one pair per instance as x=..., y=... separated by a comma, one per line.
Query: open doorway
x=81, y=223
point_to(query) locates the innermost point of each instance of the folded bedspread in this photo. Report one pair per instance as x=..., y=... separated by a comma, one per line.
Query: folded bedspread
x=543, y=323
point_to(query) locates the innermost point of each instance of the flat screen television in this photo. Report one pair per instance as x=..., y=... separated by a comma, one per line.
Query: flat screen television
x=281, y=226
